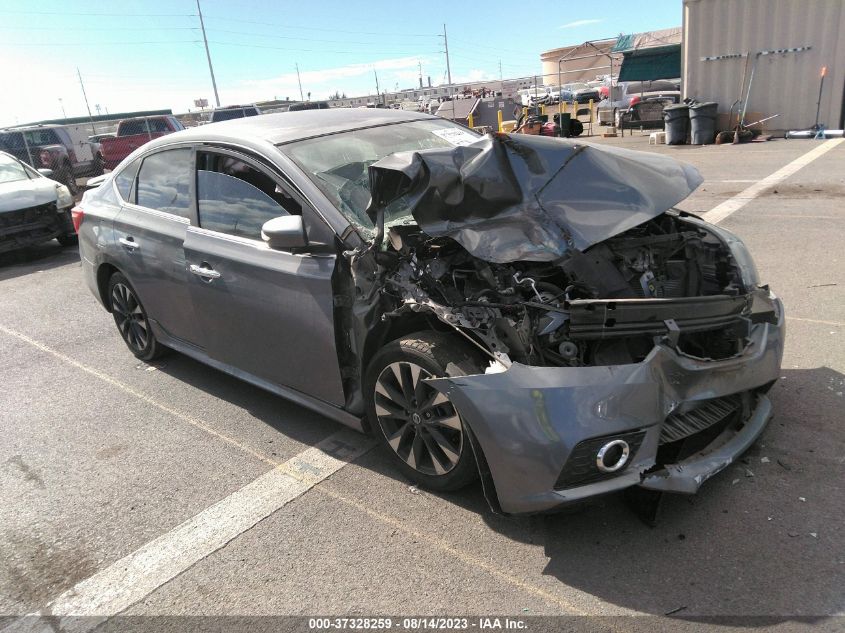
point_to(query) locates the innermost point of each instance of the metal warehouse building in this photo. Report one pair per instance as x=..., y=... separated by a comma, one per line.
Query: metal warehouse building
x=790, y=41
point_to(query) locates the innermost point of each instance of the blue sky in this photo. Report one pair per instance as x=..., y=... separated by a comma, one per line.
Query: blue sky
x=140, y=54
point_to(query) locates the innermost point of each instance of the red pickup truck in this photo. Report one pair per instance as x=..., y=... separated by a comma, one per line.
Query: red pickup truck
x=132, y=133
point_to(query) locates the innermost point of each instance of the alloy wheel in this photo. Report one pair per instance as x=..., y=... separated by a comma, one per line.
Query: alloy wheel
x=130, y=317
x=420, y=423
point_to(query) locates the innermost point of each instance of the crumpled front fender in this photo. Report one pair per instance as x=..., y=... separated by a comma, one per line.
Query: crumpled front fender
x=528, y=419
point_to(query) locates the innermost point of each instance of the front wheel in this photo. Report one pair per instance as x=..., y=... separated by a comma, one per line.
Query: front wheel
x=98, y=168
x=131, y=319
x=67, y=178
x=417, y=424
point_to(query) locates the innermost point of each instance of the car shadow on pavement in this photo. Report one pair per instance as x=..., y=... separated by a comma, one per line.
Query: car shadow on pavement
x=285, y=417
x=36, y=258
x=760, y=538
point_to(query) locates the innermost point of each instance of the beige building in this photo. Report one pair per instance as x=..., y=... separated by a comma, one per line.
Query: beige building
x=722, y=40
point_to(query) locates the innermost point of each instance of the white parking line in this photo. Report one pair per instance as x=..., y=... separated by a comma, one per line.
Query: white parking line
x=132, y=578
x=732, y=205
x=297, y=469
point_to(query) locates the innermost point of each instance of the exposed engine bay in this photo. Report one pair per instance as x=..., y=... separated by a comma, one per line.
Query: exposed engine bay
x=586, y=308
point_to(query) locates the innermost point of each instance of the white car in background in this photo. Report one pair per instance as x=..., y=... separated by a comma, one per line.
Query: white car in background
x=33, y=208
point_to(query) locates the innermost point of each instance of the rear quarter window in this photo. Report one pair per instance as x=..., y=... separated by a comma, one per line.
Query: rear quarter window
x=164, y=182
x=125, y=180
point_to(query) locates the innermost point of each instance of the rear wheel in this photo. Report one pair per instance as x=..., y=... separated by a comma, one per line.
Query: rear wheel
x=419, y=425
x=131, y=319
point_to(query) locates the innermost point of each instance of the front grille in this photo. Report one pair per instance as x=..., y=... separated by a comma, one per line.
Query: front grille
x=30, y=215
x=581, y=469
x=28, y=226
x=710, y=412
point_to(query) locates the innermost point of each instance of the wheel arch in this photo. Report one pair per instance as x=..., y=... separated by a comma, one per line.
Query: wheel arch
x=104, y=273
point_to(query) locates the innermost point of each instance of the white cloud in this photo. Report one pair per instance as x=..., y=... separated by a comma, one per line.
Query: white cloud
x=352, y=79
x=577, y=23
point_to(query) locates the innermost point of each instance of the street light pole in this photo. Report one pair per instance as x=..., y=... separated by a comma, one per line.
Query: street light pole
x=299, y=81
x=208, y=56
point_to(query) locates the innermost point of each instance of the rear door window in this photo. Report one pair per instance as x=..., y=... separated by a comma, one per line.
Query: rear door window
x=235, y=198
x=164, y=182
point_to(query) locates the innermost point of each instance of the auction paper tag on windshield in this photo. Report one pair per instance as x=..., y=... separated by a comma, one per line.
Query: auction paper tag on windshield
x=456, y=136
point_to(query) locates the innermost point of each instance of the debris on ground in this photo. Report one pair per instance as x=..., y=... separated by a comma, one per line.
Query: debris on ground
x=814, y=534
x=821, y=285
x=675, y=610
x=784, y=465
x=749, y=472
x=735, y=482
x=764, y=460
x=414, y=490
x=802, y=499
x=792, y=534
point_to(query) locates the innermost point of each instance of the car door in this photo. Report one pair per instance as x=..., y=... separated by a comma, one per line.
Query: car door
x=150, y=230
x=262, y=311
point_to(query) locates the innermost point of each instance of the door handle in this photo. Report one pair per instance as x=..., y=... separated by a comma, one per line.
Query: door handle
x=129, y=243
x=204, y=271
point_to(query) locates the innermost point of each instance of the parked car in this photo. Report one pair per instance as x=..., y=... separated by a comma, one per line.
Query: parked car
x=234, y=112
x=628, y=93
x=97, y=138
x=33, y=208
x=63, y=149
x=584, y=93
x=132, y=133
x=563, y=333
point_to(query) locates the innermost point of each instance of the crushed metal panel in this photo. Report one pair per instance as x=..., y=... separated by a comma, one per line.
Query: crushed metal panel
x=529, y=198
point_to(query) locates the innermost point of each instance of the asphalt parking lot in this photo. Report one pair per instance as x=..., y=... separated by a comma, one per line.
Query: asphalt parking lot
x=103, y=455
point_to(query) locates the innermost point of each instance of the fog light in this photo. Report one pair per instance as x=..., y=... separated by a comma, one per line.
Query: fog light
x=612, y=456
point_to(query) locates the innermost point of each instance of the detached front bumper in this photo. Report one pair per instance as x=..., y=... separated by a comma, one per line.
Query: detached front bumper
x=529, y=421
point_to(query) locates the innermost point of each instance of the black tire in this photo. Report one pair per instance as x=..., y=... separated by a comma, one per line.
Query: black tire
x=428, y=440
x=99, y=167
x=67, y=178
x=131, y=319
x=68, y=240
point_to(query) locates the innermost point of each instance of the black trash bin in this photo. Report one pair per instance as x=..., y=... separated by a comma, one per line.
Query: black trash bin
x=677, y=122
x=703, y=122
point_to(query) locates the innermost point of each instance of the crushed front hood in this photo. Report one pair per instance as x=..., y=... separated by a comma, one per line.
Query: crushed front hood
x=530, y=198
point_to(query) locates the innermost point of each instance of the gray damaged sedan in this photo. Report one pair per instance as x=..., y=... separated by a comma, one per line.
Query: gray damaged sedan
x=526, y=309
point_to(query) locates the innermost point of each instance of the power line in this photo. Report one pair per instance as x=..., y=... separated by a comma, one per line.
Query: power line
x=315, y=28
x=291, y=37
x=100, y=28
x=311, y=50
x=121, y=15
x=98, y=43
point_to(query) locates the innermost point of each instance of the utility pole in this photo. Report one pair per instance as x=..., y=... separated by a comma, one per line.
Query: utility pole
x=500, y=70
x=208, y=56
x=448, y=67
x=61, y=103
x=299, y=81
x=377, y=89
x=84, y=96
x=419, y=65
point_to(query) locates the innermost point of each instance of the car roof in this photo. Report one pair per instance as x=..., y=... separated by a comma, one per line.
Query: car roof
x=284, y=127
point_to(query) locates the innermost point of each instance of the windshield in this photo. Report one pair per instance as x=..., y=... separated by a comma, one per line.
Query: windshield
x=338, y=163
x=11, y=170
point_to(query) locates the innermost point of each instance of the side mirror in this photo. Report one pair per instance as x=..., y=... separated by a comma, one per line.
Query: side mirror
x=285, y=232
x=47, y=173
